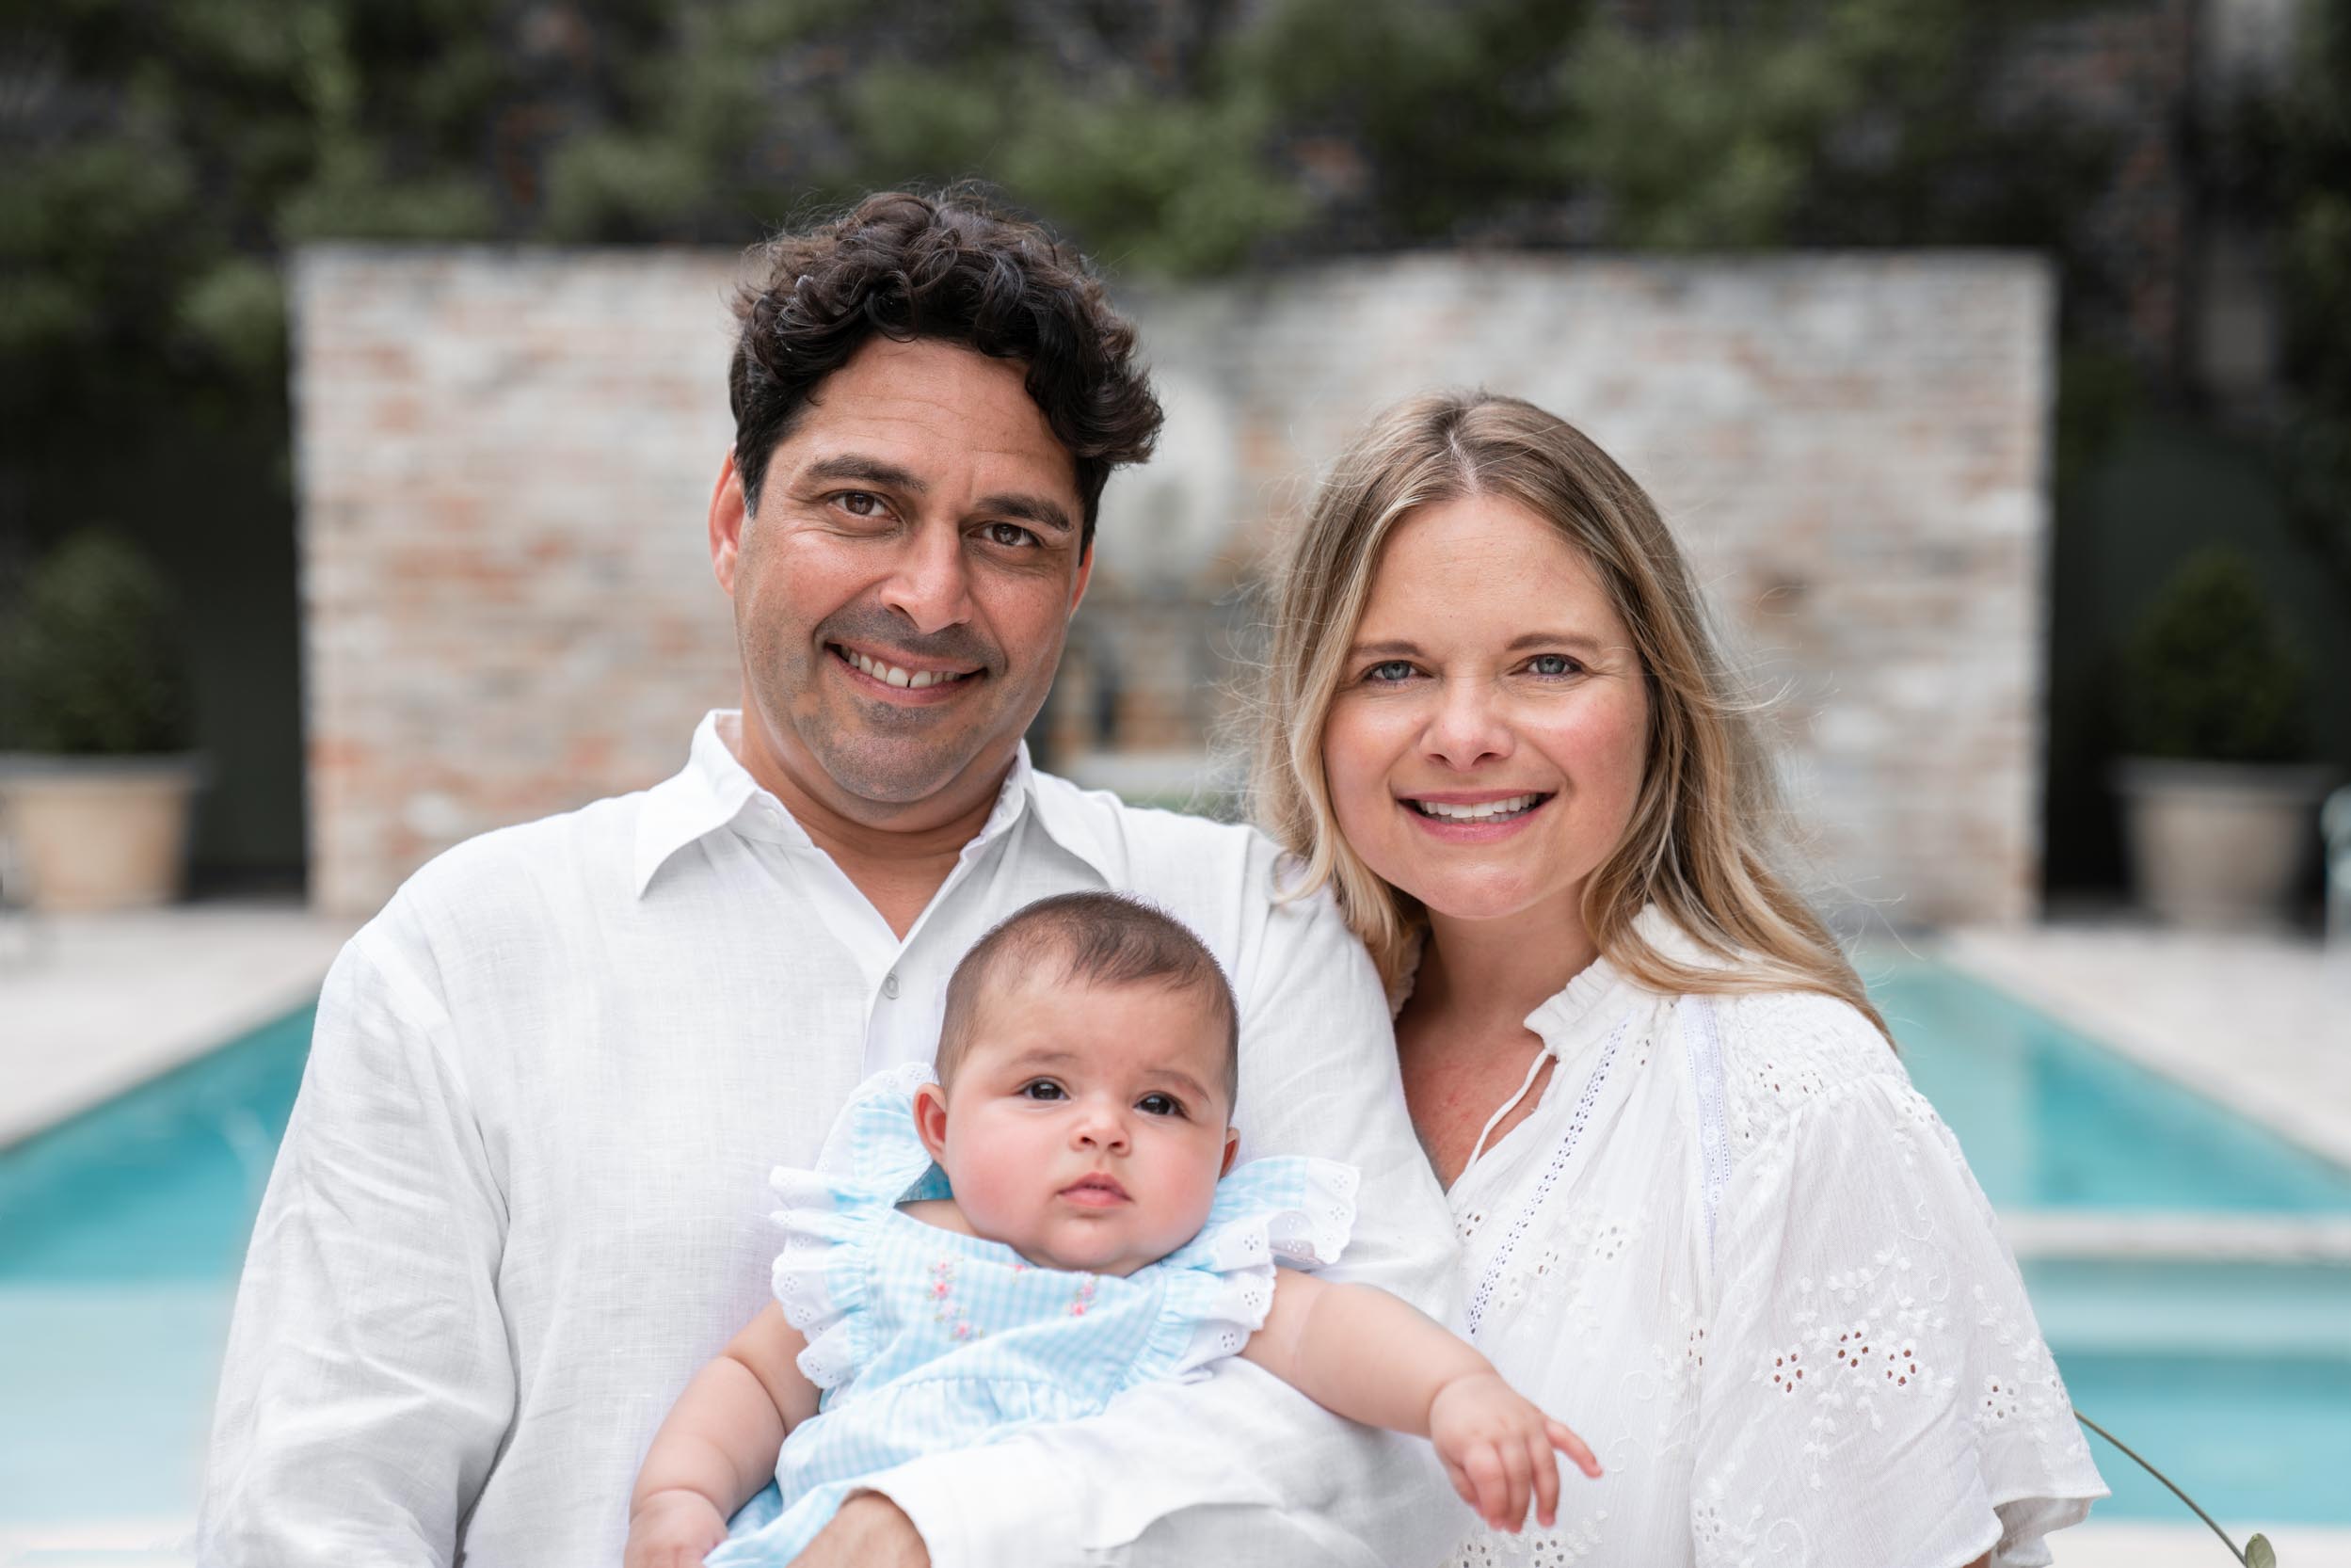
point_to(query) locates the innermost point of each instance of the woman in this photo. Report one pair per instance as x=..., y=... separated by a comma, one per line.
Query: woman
x=1704, y=1217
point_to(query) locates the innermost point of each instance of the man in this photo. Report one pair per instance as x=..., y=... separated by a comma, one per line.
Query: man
x=523, y=1194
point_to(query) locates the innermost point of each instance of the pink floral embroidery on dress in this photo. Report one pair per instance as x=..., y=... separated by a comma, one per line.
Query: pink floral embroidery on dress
x=1078, y=1302
x=951, y=1311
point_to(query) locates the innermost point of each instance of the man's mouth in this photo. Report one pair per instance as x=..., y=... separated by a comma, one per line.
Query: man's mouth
x=899, y=675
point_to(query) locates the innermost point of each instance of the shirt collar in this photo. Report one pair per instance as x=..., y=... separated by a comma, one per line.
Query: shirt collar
x=714, y=790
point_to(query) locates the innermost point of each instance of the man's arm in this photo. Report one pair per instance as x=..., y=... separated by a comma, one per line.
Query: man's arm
x=1241, y=1469
x=368, y=1381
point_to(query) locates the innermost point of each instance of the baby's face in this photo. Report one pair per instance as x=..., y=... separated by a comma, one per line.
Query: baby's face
x=1086, y=1125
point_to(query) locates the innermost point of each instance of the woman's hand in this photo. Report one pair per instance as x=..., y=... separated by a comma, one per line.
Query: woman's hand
x=1496, y=1446
x=673, y=1529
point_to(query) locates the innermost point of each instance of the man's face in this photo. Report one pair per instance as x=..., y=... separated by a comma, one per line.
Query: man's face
x=904, y=589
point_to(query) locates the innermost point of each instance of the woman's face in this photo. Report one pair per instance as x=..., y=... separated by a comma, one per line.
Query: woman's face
x=1487, y=746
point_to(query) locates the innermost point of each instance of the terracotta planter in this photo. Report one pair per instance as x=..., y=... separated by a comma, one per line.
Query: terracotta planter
x=2218, y=844
x=95, y=833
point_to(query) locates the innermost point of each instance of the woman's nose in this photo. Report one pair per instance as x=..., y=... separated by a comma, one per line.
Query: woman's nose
x=1469, y=726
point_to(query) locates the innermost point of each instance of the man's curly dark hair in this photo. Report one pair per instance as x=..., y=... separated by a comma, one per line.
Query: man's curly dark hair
x=949, y=267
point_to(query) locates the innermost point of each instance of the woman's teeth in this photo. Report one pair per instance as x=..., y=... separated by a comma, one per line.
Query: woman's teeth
x=1484, y=812
x=896, y=677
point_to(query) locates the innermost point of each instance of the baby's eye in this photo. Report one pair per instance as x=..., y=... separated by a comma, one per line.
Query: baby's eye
x=1043, y=1089
x=1553, y=664
x=1389, y=671
x=1160, y=1104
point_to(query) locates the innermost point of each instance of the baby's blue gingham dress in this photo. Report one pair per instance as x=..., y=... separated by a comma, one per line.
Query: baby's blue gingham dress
x=922, y=1340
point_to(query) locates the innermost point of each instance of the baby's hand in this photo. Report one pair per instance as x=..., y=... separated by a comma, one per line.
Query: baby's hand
x=673, y=1529
x=1496, y=1444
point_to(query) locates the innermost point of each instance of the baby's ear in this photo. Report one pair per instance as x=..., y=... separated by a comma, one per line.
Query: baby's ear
x=1232, y=1148
x=929, y=1118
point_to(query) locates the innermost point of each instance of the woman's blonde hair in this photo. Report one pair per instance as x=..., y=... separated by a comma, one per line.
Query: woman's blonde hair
x=1701, y=841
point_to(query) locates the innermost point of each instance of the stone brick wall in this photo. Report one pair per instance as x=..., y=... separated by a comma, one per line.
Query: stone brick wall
x=504, y=460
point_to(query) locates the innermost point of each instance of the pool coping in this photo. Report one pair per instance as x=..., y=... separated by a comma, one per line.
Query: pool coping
x=99, y=1004
x=2122, y=986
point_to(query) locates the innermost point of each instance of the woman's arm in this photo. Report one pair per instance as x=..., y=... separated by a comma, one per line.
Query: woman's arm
x=718, y=1444
x=1362, y=1353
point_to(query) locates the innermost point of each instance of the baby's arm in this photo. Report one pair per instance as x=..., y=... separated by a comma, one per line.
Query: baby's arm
x=1364, y=1354
x=718, y=1446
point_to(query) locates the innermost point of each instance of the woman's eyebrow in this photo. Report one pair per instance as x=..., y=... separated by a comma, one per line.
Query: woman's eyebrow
x=1391, y=649
x=1576, y=640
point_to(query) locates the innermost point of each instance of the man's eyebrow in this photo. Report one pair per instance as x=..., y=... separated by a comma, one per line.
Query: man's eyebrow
x=1028, y=508
x=873, y=470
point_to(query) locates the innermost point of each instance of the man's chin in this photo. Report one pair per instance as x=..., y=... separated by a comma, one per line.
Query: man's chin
x=892, y=777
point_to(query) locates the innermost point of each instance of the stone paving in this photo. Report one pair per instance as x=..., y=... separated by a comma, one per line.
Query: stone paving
x=91, y=1006
x=2260, y=1023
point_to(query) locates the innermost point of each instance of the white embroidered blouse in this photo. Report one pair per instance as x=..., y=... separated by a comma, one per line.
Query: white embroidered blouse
x=1738, y=1252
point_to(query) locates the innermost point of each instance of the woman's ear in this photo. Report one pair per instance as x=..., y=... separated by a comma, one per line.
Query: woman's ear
x=1232, y=1148
x=930, y=1119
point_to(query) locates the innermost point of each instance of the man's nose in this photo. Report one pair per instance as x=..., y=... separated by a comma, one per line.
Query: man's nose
x=931, y=584
x=1469, y=725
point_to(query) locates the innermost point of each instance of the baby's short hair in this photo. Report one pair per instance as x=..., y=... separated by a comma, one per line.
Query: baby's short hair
x=1099, y=938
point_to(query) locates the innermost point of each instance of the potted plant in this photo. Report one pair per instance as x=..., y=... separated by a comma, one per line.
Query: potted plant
x=95, y=775
x=2218, y=794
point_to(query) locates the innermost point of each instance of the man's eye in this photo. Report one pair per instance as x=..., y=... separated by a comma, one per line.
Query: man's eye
x=859, y=503
x=1388, y=672
x=1160, y=1104
x=1010, y=533
x=1043, y=1089
x=1553, y=664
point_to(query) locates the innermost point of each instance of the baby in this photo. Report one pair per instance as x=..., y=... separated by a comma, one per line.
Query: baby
x=1061, y=1199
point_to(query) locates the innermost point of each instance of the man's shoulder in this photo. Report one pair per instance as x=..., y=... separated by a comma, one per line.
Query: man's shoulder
x=1142, y=844
x=513, y=870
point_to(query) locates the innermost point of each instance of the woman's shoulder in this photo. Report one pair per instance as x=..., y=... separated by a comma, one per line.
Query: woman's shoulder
x=1779, y=1055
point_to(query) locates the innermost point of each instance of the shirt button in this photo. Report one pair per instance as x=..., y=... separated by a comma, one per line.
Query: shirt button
x=889, y=986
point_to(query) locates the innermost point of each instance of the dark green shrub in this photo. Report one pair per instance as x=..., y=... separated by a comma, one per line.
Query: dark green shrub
x=89, y=662
x=2210, y=674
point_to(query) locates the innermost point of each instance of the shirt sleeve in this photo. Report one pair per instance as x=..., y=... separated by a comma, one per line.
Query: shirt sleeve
x=1877, y=1391
x=1239, y=1469
x=367, y=1383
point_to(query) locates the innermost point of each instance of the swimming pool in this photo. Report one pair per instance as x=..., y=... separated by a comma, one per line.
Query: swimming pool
x=121, y=1233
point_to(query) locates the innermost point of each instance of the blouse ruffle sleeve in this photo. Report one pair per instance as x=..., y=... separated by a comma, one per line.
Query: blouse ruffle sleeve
x=1875, y=1389
x=873, y=1161
x=1294, y=1212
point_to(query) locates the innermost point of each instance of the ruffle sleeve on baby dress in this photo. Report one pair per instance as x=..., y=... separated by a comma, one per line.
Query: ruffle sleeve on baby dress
x=1290, y=1210
x=873, y=1161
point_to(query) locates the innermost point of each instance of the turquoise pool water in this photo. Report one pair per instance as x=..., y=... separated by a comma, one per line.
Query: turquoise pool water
x=120, y=1236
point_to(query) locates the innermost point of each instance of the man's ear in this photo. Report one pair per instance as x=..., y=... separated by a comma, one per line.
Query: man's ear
x=1232, y=1148
x=1085, y=573
x=728, y=517
x=929, y=1118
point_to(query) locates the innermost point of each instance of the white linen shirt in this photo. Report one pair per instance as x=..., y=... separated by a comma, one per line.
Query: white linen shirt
x=1744, y=1259
x=524, y=1195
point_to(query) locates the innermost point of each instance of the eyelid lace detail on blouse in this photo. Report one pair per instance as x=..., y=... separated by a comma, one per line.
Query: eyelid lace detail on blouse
x=923, y=1339
x=1755, y=1272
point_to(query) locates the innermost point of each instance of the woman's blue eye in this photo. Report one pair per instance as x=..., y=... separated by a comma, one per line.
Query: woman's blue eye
x=1553, y=664
x=1390, y=671
x=1043, y=1089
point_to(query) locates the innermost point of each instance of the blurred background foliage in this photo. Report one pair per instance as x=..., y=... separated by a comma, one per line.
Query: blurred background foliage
x=160, y=158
